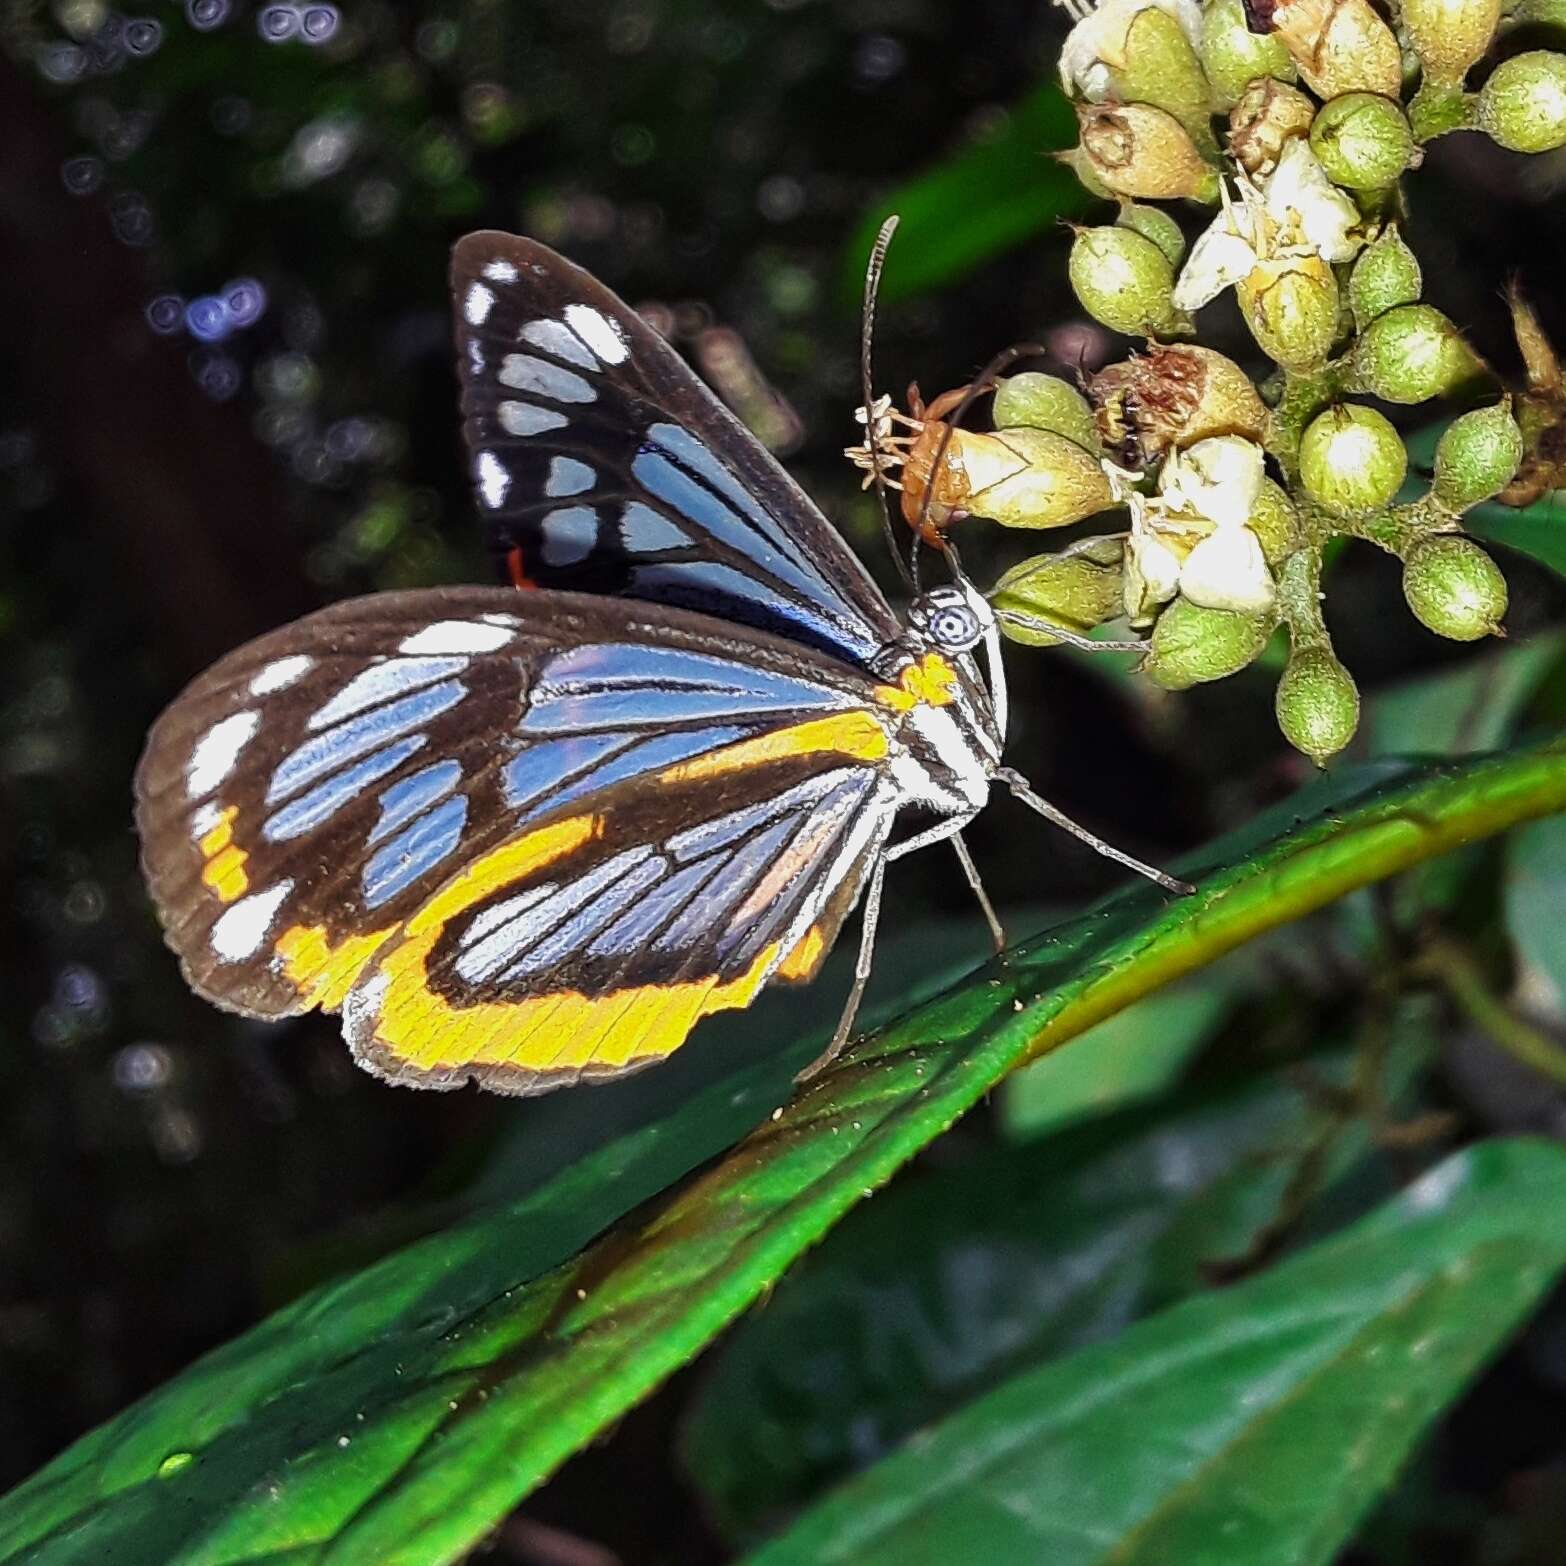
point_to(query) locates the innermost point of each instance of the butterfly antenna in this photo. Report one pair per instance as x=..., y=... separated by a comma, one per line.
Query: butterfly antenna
x=984, y=382
x=873, y=272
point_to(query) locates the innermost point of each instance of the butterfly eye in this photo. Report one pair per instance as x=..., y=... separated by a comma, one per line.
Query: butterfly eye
x=955, y=629
x=947, y=619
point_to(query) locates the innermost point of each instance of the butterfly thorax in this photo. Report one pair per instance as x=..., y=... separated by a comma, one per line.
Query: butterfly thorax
x=946, y=740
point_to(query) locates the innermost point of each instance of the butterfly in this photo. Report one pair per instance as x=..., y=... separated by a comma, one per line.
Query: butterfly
x=530, y=835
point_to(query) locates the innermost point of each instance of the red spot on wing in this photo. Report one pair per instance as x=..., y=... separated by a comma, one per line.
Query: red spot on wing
x=517, y=568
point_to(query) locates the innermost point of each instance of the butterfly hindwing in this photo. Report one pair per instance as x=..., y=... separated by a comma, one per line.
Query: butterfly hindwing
x=377, y=803
x=602, y=464
x=594, y=941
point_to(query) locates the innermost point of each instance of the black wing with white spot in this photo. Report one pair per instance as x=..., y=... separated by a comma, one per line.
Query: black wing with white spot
x=602, y=464
x=302, y=801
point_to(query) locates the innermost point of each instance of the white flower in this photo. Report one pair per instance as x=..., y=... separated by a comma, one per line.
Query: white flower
x=1218, y=478
x=1152, y=572
x=1295, y=211
x=1228, y=570
x=1194, y=537
x=1095, y=47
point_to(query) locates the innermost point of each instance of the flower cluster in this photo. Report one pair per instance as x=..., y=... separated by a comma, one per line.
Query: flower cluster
x=1293, y=125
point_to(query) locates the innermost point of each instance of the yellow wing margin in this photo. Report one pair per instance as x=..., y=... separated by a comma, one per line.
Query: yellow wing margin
x=402, y=1028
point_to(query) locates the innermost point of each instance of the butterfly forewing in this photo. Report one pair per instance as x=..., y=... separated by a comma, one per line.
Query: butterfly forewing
x=523, y=836
x=601, y=463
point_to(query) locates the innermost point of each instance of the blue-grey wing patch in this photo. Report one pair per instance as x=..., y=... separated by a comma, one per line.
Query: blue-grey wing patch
x=598, y=950
x=601, y=463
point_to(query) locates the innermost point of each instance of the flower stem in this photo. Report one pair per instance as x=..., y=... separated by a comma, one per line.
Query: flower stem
x=1454, y=968
x=1439, y=107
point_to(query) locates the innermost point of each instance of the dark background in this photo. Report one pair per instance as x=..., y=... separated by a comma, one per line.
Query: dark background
x=174, y=479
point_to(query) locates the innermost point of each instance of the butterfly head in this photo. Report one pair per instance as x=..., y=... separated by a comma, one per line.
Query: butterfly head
x=945, y=624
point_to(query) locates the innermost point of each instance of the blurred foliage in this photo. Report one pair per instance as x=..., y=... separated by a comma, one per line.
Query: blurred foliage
x=228, y=398
x=1028, y=1253
x=1361, y=1337
x=397, y=1415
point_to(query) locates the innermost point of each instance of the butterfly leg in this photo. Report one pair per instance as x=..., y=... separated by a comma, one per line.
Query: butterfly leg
x=869, y=920
x=1041, y=627
x=971, y=871
x=1020, y=787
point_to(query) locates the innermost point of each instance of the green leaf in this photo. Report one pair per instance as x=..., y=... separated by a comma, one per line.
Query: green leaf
x=1252, y=1427
x=933, y=1293
x=1536, y=897
x=1470, y=708
x=985, y=198
x=1128, y=1057
x=397, y=1416
x=1538, y=530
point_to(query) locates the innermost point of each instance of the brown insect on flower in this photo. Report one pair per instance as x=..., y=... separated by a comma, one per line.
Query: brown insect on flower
x=925, y=450
x=1019, y=477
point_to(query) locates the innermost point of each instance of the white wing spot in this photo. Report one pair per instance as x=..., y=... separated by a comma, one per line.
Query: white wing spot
x=379, y=683
x=281, y=673
x=600, y=334
x=457, y=636
x=522, y=418
x=478, y=304
x=500, y=272
x=493, y=479
x=526, y=373
x=361, y=1006
x=204, y=818
x=240, y=930
x=554, y=338
x=475, y=356
x=217, y=750
x=567, y=476
x=510, y=621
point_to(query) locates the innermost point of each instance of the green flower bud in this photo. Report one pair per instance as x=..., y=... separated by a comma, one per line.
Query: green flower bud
x=1341, y=46
x=1411, y=354
x=1317, y=704
x=1275, y=523
x=1535, y=13
x=1523, y=105
x=1454, y=588
x=1125, y=281
x=1155, y=224
x=1075, y=590
x=1267, y=115
x=1449, y=36
x=1192, y=645
x=1351, y=459
x=1161, y=68
x=1363, y=141
x=1080, y=165
x=1477, y=456
x=1140, y=151
x=1018, y=477
x=1045, y=402
x=1291, y=307
x=1385, y=276
x=1234, y=57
